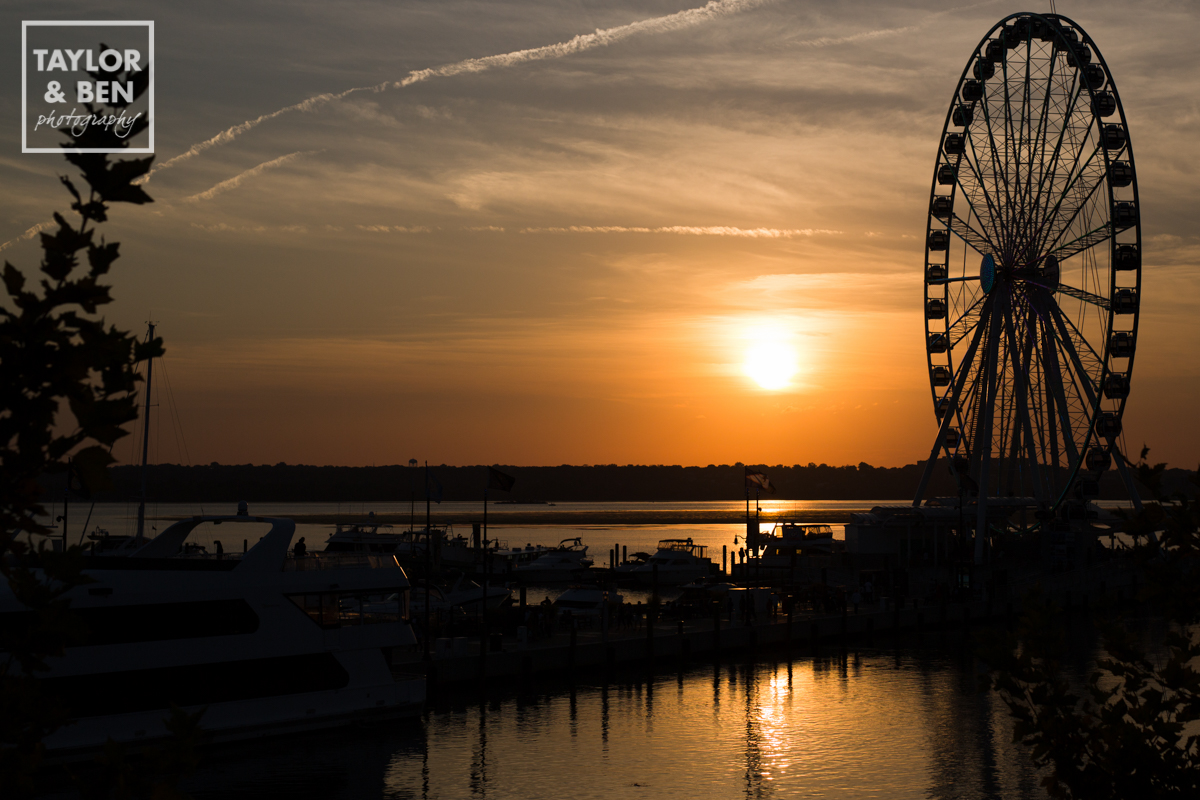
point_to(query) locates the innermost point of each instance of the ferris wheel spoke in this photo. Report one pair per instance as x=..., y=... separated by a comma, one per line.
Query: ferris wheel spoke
x=1039, y=140
x=1086, y=297
x=999, y=175
x=1085, y=242
x=993, y=213
x=966, y=322
x=1052, y=233
x=980, y=241
x=1080, y=344
x=1049, y=174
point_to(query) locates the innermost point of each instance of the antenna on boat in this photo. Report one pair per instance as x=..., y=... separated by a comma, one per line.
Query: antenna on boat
x=141, y=522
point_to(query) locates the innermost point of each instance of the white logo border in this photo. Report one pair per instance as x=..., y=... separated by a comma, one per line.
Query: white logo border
x=25, y=86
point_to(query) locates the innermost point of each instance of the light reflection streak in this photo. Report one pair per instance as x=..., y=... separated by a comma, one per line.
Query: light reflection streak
x=871, y=723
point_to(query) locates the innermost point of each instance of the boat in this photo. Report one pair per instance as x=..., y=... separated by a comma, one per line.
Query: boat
x=793, y=538
x=262, y=642
x=789, y=552
x=464, y=594
x=499, y=560
x=676, y=561
x=627, y=566
x=450, y=551
x=564, y=563
x=588, y=603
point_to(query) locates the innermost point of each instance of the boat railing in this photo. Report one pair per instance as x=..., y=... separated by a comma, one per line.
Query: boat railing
x=787, y=530
x=684, y=546
x=321, y=561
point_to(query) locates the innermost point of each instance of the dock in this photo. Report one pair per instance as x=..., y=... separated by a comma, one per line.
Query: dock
x=495, y=658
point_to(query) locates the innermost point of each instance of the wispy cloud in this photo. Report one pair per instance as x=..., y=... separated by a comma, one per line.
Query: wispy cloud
x=601, y=38
x=236, y=180
x=692, y=230
x=393, y=229
x=29, y=234
x=829, y=41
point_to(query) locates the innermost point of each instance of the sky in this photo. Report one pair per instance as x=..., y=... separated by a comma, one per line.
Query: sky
x=557, y=232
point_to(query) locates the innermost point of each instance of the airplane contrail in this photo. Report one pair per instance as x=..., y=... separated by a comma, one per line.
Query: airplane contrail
x=692, y=230
x=29, y=234
x=233, y=182
x=601, y=38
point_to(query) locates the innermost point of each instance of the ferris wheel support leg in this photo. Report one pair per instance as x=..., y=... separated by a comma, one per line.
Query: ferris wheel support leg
x=963, y=369
x=983, y=432
x=933, y=459
x=1130, y=486
x=1126, y=478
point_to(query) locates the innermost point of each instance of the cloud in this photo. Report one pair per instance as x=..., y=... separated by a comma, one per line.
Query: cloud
x=689, y=230
x=393, y=229
x=29, y=234
x=601, y=38
x=235, y=181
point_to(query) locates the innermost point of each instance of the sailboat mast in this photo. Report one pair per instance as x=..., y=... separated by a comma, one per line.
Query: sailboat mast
x=145, y=440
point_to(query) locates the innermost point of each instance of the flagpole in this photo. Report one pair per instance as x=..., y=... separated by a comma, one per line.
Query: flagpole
x=67, y=503
x=757, y=531
x=485, y=536
x=428, y=557
x=747, y=537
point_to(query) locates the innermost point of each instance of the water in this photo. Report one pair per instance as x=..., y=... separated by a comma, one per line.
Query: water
x=121, y=519
x=907, y=723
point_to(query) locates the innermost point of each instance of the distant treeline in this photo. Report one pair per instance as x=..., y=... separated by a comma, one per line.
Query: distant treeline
x=299, y=482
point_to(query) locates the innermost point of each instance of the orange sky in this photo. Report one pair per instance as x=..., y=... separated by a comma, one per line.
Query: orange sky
x=567, y=258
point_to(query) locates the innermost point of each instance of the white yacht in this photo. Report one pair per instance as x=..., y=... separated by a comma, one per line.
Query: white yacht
x=588, y=602
x=464, y=594
x=677, y=561
x=265, y=643
x=564, y=563
x=789, y=539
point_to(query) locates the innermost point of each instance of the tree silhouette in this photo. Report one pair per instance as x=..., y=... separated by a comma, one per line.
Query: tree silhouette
x=1133, y=732
x=69, y=387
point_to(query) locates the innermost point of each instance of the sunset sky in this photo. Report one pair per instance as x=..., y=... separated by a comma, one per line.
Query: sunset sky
x=570, y=255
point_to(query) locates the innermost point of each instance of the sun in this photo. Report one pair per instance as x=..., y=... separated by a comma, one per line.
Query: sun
x=771, y=364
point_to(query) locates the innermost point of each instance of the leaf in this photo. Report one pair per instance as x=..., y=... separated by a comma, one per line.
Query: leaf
x=101, y=256
x=60, y=248
x=14, y=281
x=70, y=188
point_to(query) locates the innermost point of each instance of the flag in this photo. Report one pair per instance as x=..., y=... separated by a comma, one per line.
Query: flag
x=759, y=481
x=498, y=480
x=433, y=489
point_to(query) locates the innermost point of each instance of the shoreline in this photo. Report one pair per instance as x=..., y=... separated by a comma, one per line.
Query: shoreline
x=559, y=518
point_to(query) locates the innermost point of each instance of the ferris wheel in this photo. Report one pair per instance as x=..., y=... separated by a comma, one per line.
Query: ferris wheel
x=1032, y=273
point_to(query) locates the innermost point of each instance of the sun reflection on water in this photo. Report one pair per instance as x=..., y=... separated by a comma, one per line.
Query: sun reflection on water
x=859, y=726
